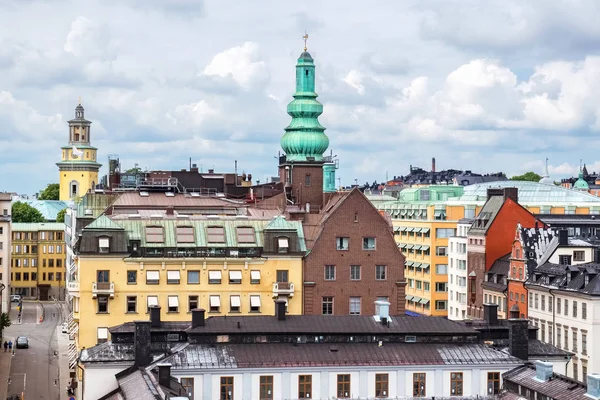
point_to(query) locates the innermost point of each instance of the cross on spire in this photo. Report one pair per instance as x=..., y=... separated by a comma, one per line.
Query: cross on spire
x=305, y=37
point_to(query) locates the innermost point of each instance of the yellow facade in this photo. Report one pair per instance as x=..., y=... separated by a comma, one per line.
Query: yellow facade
x=38, y=260
x=121, y=294
x=84, y=181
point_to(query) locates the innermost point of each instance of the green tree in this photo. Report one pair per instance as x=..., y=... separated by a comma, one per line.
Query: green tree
x=52, y=192
x=4, y=322
x=23, y=212
x=527, y=176
x=60, y=217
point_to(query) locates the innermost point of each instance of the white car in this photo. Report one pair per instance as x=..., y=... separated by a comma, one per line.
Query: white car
x=15, y=298
x=65, y=328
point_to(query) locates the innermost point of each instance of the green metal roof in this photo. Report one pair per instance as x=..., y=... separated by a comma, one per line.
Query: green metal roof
x=103, y=222
x=48, y=208
x=279, y=223
x=37, y=226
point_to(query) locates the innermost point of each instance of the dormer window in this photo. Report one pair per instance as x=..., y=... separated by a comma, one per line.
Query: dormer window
x=185, y=234
x=215, y=234
x=283, y=245
x=103, y=245
x=154, y=234
x=245, y=234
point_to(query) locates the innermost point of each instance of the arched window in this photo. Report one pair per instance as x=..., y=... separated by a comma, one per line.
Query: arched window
x=73, y=189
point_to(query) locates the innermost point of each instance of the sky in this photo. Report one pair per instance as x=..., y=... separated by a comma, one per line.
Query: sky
x=495, y=85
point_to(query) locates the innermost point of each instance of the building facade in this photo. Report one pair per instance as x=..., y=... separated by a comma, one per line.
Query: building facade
x=78, y=167
x=5, y=256
x=457, y=272
x=38, y=260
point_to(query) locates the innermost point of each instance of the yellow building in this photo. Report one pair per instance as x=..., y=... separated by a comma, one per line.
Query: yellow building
x=227, y=265
x=78, y=167
x=38, y=260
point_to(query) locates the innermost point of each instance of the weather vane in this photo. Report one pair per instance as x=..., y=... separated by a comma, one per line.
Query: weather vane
x=79, y=99
x=305, y=37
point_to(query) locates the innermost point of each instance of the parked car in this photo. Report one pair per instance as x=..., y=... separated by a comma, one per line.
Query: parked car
x=22, y=342
x=15, y=298
x=65, y=327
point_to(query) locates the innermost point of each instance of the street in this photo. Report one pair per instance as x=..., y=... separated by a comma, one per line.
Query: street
x=35, y=371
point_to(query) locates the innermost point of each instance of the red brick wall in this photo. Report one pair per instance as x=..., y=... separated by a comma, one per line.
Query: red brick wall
x=303, y=194
x=475, y=263
x=341, y=224
x=516, y=286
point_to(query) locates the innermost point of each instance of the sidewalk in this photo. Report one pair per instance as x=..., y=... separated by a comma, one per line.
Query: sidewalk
x=63, y=352
x=5, y=360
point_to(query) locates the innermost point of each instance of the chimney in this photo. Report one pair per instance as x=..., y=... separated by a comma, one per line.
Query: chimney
x=382, y=309
x=563, y=237
x=280, y=309
x=164, y=375
x=170, y=210
x=194, y=168
x=211, y=171
x=490, y=313
x=543, y=371
x=142, y=337
x=593, y=386
x=433, y=164
x=198, y=317
x=518, y=338
x=155, y=316
x=511, y=193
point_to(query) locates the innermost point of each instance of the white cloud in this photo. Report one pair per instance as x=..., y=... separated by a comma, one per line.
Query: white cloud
x=240, y=63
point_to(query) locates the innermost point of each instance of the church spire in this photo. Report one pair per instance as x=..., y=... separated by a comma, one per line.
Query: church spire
x=304, y=138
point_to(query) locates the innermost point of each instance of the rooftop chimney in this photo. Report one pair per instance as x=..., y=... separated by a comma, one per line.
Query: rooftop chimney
x=198, y=317
x=490, y=313
x=142, y=337
x=280, y=309
x=155, y=316
x=518, y=338
x=543, y=371
x=563, y=237
x=164, y=375
x=593, y=386
x=433, y=164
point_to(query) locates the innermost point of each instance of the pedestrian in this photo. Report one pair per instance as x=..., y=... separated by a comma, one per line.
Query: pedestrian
x=5, y=346
x=10, y=345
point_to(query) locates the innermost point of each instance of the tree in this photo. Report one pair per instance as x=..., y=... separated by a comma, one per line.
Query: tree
x=4, y=322
x=60, y=217
x=52, y=192
x=527, y=176
x=23, y=212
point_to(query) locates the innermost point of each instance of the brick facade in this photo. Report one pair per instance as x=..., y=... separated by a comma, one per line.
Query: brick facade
x=354, y=217
x=306, y=183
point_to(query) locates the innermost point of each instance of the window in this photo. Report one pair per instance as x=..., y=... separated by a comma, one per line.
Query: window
x=255, y=303
x=574, y=309
x=566, y=331
x=192, y=303
x=330, y=272
x=51, y=263
x=50, y=276
x=283, y=245
x=578, y=255
x=574, y=339
x=173, y=304
x=173, y=277
x=566, y=307
x=304, y=386
x=102, y=304
x=343, y=386
x=536, y=297
x=103, y=245
x=282, y=275
x=550, y=334
x=193, y=277
x=102, y=335
x=59, y=276
x=254, y=277
x=226, y=388
x=445, y=232
x=558, y=336
x=185, y=234
x=441, y=287
x=354, y=305
x=25, y=276
x=441, y=305
x=266, y=387
x=50, y=249
x=441, y=251
x=543, y=303
x=381, y=272
x=152, y=301
x=342, y=243
x=583, y=311
x=152, y=277
x=131, y=304
x=369, y=243
x=215, y=234
x=215, y=304
x=245, y=234
x=456, y=384
x=575, y=370
x=214, y=277
x=58, y=263
x=426, y=286
x=17, y=276
x=441, y=269
x=558, y=306
x=381, y=385
x=419, y=285
x=419, y=384
x=493, y=383
x=235, y=277
x=131, y=277
x=327, y=304
x=188, y=385
x=154, y=234
x=355, y=272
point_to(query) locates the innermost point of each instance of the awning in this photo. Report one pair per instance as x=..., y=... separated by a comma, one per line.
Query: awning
x=425, y=248
x=425, y=230
x=409, y=263
x=403, y=245
x=410, y=246
x=254, y=301
x=409, y=298
x=235, y=275
x=425, y=265
x=152, y=301
x=152, y=275
x=283, y=242
x=235, y=301
x=214, y=275
x=418, y=247
x=418, y=265
x=215, y=301
x=173, y=275
x=410, y=229
x=255, y=275
x=416, y=299
x=173, y=301
x=403, y=212
x=424, y=301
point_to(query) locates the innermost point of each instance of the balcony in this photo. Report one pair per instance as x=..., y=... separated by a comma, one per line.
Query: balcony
x=4, y=218
x=283, y=289
x=73, y=287
x=103, y=288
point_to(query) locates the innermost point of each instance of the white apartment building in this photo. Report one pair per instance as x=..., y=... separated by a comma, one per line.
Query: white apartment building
x=5, y=236
x=457, y=274
x=564, y=303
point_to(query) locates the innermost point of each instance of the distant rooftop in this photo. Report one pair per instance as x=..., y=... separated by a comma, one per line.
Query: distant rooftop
x=48, y=208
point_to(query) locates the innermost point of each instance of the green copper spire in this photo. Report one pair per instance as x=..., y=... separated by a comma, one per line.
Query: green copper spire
x=304, y=138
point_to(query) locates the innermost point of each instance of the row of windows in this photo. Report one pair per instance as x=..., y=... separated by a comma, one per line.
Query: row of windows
x=562, y=336
x=327, y=304
x=538, y=302
x=343, y=243
x=215, y=277
x=32, y=262
x=35, y=235
x=421, y=285
x=33, y=249
x=330, y=272
x=214, y=234
x=414, y=234
x=460, y=264
x=16, y=276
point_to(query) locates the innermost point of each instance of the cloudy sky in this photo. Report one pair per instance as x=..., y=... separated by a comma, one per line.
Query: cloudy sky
x=495, y=85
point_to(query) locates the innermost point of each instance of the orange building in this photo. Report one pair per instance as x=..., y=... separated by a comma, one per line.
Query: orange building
x=517, y=274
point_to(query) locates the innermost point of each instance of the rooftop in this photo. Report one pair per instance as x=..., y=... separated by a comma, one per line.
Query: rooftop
x=37, y=226
x=558, y=387
x=48, y=208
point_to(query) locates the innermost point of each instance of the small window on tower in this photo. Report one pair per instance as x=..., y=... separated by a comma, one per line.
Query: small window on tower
x=77, y=137
x=307, y=180
x=306, y=72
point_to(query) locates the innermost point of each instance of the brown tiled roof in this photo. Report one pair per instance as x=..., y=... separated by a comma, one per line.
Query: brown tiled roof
x=160, y=200
x=559, y=387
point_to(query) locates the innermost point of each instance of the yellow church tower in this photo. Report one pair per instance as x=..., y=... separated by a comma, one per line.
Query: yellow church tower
x=78, y=168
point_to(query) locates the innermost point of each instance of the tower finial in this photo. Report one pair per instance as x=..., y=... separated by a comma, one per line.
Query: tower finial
x=305, y=37
x=547, y=173
x=79, y=100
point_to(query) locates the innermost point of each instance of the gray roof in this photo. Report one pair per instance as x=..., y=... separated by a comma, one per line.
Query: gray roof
x=584, y=278
x=559, y=387
x=486, y=216
x=140, y=385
